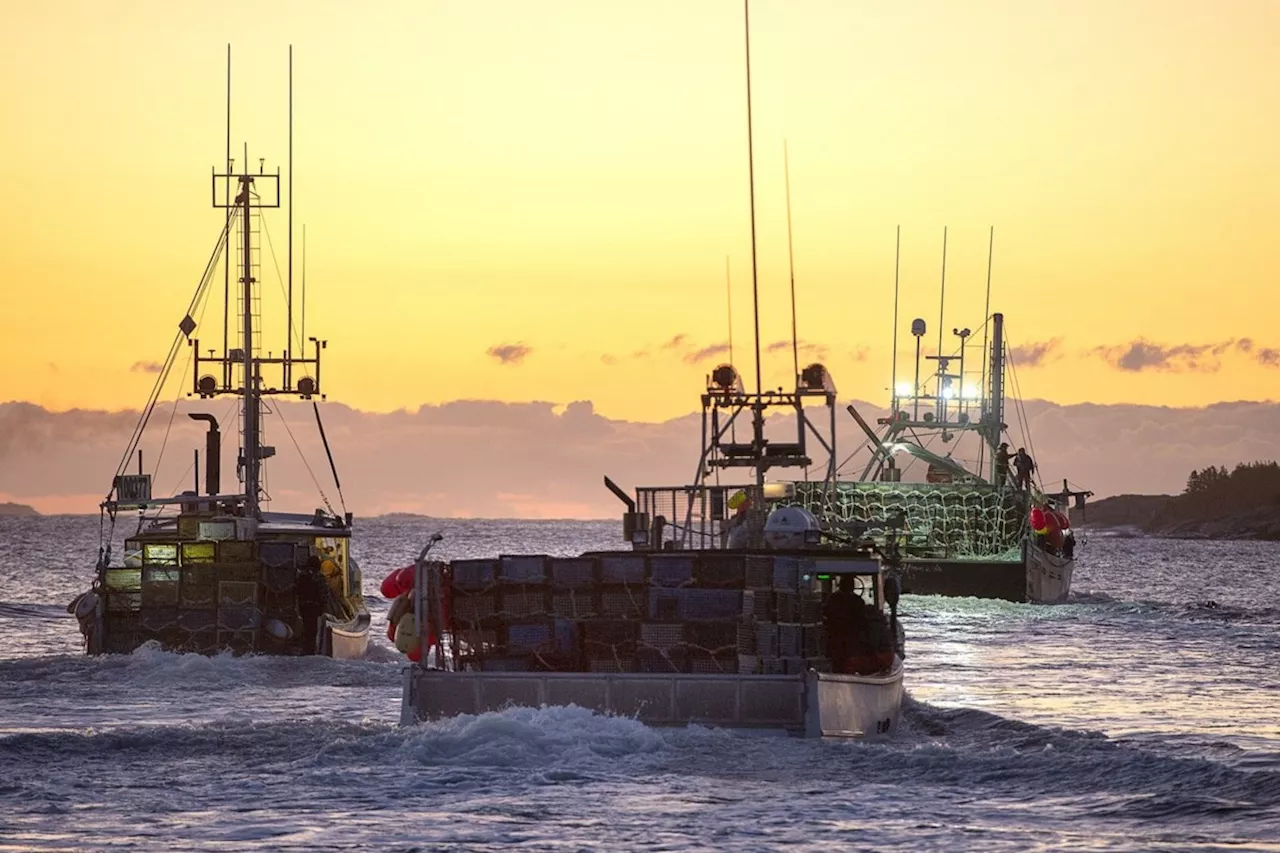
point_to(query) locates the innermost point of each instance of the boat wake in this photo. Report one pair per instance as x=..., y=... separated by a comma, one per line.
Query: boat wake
x=18, y=611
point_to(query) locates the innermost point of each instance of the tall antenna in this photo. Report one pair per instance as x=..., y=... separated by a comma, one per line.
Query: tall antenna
x=791, y=262
x=943, y=303
x=728, y=295
x=986, y=312
x=751, y=175
x=250, y=399
x=303, y=336
x=226, y=265
x=288, y=341
x=897, y=258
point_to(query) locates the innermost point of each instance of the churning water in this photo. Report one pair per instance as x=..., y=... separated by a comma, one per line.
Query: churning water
x=1143, y=715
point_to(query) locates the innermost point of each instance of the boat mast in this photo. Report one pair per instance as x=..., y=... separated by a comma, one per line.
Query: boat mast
x=791, y=265
x=288, y=340
x=244, y=194
x=252, y=459
x=757, y=420
x=226, y=267
x=997, y=390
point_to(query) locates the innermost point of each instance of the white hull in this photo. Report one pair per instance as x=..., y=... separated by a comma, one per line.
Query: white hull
x=348, y=641
x=1048, y=577
x=810, y=705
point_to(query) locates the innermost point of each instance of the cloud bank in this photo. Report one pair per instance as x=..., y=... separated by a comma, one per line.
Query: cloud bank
x=538, y=460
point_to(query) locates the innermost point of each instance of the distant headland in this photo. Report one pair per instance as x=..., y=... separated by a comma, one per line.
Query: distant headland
x=1243, y=503
x=17, y=509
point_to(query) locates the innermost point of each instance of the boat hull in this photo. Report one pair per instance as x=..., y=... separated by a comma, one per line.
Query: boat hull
x=1006, y=579
x=349, y=640
x=1048, y=576
x=1038, y=578
x=812, y=704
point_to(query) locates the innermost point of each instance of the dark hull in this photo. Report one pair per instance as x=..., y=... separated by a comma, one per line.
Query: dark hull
x=978, y=579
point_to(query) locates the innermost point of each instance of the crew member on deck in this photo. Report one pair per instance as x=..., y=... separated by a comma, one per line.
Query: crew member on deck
x=1067, y=544
x=859, y=638
x=1025, y=467
x=736, y=530
x=310, y=588
x=1002, y=465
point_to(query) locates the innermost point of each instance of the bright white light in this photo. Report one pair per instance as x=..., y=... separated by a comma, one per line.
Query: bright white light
x=948, y=393
x=972, y=392
x=905, y=389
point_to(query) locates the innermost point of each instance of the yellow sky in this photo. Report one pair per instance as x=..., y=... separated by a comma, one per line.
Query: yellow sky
x=570, y=176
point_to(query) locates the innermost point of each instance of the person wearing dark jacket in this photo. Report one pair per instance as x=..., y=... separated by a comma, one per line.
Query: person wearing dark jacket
x=1025, y=466
x=310, y=587
x=838, y=615
x=859, y=638
x=1002, y=465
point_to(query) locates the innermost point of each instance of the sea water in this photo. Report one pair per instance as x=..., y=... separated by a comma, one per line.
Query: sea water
x=1142, y=715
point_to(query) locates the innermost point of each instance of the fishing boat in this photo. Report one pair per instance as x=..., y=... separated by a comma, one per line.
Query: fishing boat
x=963, y=527
x=734, y=640
x=218, y=571
x=789, y=635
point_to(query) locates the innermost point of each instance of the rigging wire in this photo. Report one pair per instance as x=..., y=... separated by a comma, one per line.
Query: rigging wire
x=279, y=279
x=298, y=340
x=307, y=465
x=154, y=397
x=1023, y=422
x=204, y=305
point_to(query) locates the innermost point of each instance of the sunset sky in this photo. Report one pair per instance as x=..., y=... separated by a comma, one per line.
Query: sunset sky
x=534, y=200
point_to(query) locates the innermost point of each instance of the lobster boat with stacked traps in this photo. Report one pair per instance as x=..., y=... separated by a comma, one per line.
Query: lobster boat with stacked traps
x=218, y=571
x=935, y=485
x=790, y=641
x=792, y=633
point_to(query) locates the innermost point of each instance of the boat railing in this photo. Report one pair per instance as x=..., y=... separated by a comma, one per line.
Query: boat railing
x=689, y=517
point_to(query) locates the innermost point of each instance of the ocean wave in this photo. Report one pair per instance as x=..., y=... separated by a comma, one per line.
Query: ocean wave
x=18, y=611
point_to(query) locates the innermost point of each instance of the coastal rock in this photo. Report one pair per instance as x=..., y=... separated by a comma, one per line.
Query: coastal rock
x=1149, y=515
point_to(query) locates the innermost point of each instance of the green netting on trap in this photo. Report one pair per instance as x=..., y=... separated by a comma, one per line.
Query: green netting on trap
x=945, y=521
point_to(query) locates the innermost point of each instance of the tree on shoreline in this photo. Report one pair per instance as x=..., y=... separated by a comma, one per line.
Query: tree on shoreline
x=1217, y=491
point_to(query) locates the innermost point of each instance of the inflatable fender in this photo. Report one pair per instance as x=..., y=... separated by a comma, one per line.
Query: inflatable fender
x=83, y=605
x=402, y=605
x=1038, y=519
x=278, y=629
x=407, y=633
x=398, y=582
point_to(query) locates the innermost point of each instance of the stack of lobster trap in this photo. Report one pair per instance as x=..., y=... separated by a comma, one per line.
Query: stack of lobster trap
x=661, y=613
x=201, y=596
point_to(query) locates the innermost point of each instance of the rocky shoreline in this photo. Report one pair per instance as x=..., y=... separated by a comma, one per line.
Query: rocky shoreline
x=1149, y=515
